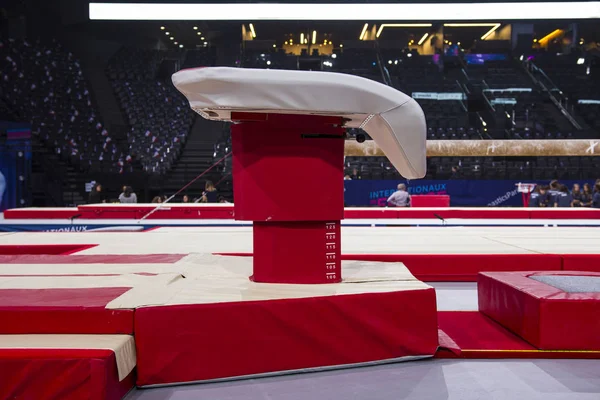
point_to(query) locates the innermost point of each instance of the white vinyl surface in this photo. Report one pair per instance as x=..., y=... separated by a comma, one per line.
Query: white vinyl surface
x=355, y=240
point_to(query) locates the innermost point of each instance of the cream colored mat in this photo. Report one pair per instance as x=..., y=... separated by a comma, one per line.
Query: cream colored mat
x=122, y=345
x=214, y=279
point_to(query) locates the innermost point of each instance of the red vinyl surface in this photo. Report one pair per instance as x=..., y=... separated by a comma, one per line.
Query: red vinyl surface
x=470, y=334
x=432, y=200
x=297, y=252
x=63, y=311
x=52, y=374
x=202, y=211
x=40, y=213
x=545, y=316
x=92, y=259
x=208, y=341
x=43, y=249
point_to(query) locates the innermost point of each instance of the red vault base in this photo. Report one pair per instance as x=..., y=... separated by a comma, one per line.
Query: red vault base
x=297, y=252
x=546, y=317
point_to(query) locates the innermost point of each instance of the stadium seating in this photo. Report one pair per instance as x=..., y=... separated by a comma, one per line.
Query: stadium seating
x=43, y=84
x=159, y=116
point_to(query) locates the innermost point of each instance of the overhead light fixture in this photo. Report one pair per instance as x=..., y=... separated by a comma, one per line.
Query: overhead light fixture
x=180, y=46
x=535, y=40
x=409, y=55
x=167, y=33
x=552, y=35
x=334, y=55
x=341, y=45
x=252, y=31
x=171, y=38
x=162, y=28
x=465, y=11
x=492, y=30
x=580, y=61
x=199, y=33
x=206, y=43
x=458, y=43
x=268, y=62
x=364, y=31
x=174, y=42
x=383, y=26
x=195, y=28
x=314, y=37
x=301, y=38
x=274, y=45
x=469, y=24
x=389, y=61
x=202, y=38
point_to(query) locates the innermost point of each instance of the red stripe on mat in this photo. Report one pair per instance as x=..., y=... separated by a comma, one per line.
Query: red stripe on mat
x=92, y=259
x=477, y=336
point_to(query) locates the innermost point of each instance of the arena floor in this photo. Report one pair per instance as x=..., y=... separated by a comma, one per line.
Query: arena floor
x=431, y=379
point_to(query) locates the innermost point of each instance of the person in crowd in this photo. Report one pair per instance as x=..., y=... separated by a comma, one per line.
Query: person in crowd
x=400, y=198
x=456, y=172
x=2, y=187
x=347, y=177
x=586, y=196
x=576, y=195
x=553, y=192
x=222, y=200
x=186, y=199
x=157, y=200
x=355, y=174
x=538, y=197
x=563, y=197
x=210, y=194
x=127, y=196
x=97, y=195
x=596, y=196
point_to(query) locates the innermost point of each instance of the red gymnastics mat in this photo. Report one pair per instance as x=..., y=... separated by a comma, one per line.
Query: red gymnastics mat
x=63, y=311
x=552, y=310
x=470, y=334
x=43, y=249
x=61, y=374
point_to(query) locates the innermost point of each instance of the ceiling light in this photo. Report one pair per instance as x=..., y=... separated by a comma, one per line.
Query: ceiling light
x=174, y=42
x=423, y=39
x=167, y=33
x=195, y=28
x=488, y=33
x=364, y=31
x=268, y=62
x=389, y=61
x=301, y=38
x=199, y=34
x=206, y=43
x=580, y=61
x=252, y=31
x=202, y=38
x=162, y=28
x=180, y=46
x=334, y=55
x=341, y=45
x=409, y=55
x=171, y=38
x=274, y=45
x=382, y=26
x=314, y=37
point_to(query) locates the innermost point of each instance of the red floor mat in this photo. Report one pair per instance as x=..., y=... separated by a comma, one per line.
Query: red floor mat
x=477, y=336
x=46, y=249
x=91, y=259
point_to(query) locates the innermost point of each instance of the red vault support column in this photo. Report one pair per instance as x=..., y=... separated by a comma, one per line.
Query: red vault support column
x=288, y=179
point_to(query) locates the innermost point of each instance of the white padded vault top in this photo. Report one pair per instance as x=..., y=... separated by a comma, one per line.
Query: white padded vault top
x=394, y=120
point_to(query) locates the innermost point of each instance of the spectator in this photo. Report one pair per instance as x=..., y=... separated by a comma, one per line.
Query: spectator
x=347, y=177
x=576, y=195
x=596, y=196
x=127, y=196
x=400, y=198
x=538, y=197
x=586, y=196
x=210, y=194
x=157, y=200
x=222, y=200
x=563, y=197
x=186, y=198
x=97, y=195
x=553, y=192
x=355, y=174
x=456, y=172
